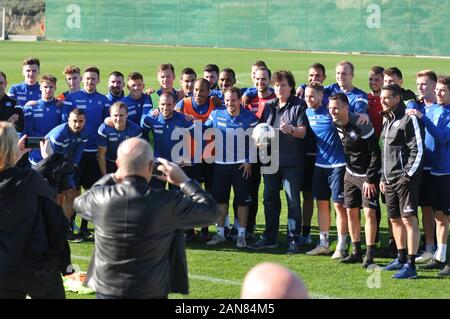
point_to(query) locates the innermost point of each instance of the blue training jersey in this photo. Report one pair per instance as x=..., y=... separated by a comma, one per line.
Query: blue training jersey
x=232, y=146
x=441, y=132
x=330, y=152
x=96, y=108
x=65, y=142
x=113, y=99
x=23, y=93
x=138, y=107
x=357, y=99
x=432, y=112
x=40, y=119
x=110, y=137
x=162, y=130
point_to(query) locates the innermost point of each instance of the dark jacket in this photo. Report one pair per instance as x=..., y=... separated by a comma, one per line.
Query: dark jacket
x=23, y=226
x=362, y=151
x=8, y=107
x=403, y=146
x=134, y=232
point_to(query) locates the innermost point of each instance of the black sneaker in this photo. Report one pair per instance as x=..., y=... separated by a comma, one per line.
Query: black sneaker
x=293, y=248
x=444, y=272
x=204, y=234
x=71, y=237
x=433, y=264
x=352, y=259
x=262, y=244
x=368, y=260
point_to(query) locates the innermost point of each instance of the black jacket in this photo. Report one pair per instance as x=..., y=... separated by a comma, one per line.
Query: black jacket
x=25, y=231
x=134, y=232
x=362, y=151
x=403, y=146
x=8, y=107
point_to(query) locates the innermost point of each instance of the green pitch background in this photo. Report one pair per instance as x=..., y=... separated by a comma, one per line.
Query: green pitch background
x=217, y=272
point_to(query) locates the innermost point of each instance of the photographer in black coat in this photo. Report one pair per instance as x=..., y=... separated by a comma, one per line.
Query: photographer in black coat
x=136, y=227
x=32, y=226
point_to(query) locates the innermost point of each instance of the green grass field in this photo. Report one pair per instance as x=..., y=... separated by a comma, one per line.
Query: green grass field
x=218, y=272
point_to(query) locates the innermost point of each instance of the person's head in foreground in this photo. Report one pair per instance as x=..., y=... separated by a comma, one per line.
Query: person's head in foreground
x=272, y=281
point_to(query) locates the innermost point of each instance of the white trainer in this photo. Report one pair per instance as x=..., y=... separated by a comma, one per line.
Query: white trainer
x=338, y=254
x=216, y=239
x=319, y=250
x=425, y=257
x=241, y=242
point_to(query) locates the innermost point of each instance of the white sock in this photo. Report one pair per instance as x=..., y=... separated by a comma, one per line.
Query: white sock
x=241, y=231
x=429, y=248
x=221, y=231
x=227, y=222
x=441, y=252
x=342, y=241
x=324, y=239
x=236, y=223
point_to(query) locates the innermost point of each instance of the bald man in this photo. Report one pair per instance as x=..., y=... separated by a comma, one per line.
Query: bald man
x=272, y=281
x=139, y=247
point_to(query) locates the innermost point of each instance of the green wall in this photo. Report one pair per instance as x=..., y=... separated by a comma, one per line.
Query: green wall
x=379, y=26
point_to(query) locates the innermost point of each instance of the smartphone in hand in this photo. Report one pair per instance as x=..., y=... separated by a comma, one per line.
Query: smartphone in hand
x=34, y=142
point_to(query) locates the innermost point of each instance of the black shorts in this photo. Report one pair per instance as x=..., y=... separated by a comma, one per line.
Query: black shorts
x=329, y=182
x=310, y=163
x=88, y=171
x=202, y=173
x=426, y=189
x=226, y=176
x=353, y=194
x=402, y=197
x=440, y=199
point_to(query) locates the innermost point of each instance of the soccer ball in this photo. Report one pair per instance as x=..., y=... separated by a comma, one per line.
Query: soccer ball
x=263, y=134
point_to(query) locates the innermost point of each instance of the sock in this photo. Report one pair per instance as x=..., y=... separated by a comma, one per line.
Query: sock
x=324, y=237
x=402, y=255
x=369, y=251
x=84, y=224
x=342, y=241
x=441, y=251
x=306, y=230
x=429, y=248
x=241, y=231
x=412, y=260
x=227, y=222
x=221, y=231
x=356, y=248
x=236, y=223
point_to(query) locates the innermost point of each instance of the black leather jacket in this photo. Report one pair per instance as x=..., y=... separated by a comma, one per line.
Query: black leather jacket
x=134, y=231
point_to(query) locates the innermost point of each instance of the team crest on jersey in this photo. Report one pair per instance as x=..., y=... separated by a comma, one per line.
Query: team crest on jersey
x=353, y=134
x=8, y=104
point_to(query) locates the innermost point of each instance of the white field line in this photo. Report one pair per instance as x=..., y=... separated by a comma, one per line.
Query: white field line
x=219, y=280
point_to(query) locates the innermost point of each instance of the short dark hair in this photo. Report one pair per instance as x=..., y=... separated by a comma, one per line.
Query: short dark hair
x=233, y=89
x=378, y=70
x=116, y=74
x=339, y=97
x=318, y=66
x=31, y=61
x=443, y=79
x=395, y=89
x=263, y=68
x=211, y=68
x=316, y=85
x=229, y=71
x=393, y=71
x=3, y=74
x=165, y=67
x=260, y=63
x=135, y=76
x=188, y=71
x=77, y=112
x=92, y=69
x=283, y=74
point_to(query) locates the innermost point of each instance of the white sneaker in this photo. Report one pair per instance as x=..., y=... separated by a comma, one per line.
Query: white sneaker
x=319, y=250
x=241, y=242
x=425, y=257
x=339, y=254
x=216, y=239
